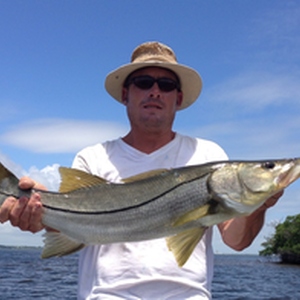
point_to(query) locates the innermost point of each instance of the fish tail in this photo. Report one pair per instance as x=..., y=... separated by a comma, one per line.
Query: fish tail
x=8, y=184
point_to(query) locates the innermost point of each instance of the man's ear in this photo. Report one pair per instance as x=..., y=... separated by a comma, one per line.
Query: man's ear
x=179, y=99
x=124, y=95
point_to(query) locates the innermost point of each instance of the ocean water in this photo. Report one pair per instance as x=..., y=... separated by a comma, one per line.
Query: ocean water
x=251, y=277
x=23, y=275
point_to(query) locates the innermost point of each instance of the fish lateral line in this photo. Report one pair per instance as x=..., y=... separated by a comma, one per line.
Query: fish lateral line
x=66, y=210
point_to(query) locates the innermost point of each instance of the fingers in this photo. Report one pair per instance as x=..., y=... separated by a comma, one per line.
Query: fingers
x=5, y=209
x=35, y=221
x=24, y=213
x=29, y=215
x=17, y=211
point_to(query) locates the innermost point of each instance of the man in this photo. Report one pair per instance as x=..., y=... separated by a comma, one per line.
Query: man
x=153, y=87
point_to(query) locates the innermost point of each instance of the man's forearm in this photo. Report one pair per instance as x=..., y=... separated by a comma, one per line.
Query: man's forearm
x=239, y=233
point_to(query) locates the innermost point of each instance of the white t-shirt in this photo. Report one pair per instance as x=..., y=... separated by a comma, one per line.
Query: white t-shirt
x=144, y=270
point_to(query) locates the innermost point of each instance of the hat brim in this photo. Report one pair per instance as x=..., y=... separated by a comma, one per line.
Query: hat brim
x=191, y=82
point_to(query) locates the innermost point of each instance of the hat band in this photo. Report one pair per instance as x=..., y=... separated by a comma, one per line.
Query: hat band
x=156, y=59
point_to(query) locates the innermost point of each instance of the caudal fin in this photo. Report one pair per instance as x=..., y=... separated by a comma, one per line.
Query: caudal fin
x=8, y=184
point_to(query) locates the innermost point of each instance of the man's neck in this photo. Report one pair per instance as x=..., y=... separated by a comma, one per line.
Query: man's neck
x=148, y=142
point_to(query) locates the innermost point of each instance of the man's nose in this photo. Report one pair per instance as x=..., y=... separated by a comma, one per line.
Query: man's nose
x=155, y=91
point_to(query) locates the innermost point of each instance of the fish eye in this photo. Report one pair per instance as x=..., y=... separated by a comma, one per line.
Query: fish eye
x=268, y=165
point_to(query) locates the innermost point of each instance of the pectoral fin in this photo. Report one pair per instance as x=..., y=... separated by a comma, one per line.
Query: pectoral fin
x=192, y=215
x=183, y=244
x=58, y=244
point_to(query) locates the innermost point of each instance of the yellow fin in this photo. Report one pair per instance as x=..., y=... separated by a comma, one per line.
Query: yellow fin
x=58, y=244
x=193, y=215
x=144, y=175
x=73, y=179
x=183, y=244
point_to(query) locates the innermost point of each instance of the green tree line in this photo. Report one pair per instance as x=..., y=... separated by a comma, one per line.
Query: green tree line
x=286, y=239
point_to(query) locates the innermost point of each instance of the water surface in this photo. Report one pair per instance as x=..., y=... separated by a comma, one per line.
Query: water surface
x=23, y=275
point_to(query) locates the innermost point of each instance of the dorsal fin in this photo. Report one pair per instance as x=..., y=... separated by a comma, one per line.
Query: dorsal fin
x=73, y=179
x=144, y=175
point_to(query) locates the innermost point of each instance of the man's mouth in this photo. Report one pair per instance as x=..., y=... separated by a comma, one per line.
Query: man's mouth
x=152, y=105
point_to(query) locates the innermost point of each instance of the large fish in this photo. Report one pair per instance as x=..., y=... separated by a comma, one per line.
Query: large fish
x=178, y=204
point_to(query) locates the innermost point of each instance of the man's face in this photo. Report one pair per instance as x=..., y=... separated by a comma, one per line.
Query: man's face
x=152, y=108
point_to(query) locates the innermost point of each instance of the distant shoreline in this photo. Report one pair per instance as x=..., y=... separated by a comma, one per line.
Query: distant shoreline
x=20, y=247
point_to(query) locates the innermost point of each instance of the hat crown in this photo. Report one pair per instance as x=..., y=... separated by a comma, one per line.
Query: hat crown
x=154, y=52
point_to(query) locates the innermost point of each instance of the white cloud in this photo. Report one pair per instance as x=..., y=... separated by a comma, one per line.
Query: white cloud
x=48, y=176
x=255, y=138
x=59, y=135
x=257, y=90
x=13, y=236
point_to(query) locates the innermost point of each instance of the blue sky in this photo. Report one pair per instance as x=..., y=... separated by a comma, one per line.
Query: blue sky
x=55, y=55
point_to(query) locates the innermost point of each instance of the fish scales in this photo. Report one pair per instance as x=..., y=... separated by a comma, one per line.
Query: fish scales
x=136, y=222
x=133, y=193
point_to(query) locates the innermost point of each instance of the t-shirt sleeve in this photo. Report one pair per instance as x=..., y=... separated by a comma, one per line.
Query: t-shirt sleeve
x=209, y=151
x=80, y=162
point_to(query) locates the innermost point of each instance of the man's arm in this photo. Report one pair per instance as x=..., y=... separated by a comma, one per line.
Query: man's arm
x=24, y=213
x=239, y=233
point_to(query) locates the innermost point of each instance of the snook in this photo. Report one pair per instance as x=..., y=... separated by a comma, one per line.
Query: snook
x=178, y=204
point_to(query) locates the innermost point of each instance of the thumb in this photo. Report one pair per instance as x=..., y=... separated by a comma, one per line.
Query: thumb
x=28, y=183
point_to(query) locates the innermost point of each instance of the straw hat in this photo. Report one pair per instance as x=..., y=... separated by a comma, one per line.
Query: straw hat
x=155, y=54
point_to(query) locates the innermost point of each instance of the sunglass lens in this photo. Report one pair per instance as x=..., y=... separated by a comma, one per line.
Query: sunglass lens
x=166, y=84
x=144, y=83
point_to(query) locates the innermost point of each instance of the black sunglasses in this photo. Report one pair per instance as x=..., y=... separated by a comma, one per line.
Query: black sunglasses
x=145, y=82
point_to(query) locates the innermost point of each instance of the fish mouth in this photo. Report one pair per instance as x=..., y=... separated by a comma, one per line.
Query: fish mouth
x=290, y=175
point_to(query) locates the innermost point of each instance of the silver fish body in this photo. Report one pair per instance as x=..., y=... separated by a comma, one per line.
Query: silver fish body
x=178, y=204
x=136, y=217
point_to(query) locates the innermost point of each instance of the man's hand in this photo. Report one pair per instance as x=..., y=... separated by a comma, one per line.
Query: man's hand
x=24, y=213
x=273, y=200
x=239, y=233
